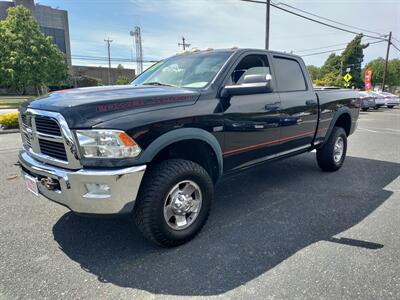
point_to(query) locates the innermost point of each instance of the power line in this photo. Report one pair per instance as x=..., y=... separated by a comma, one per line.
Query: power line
x=334, y=50
x=100, y=58
x=398, y=49
x=327, y=19
x=314, y=20
x=324, y=47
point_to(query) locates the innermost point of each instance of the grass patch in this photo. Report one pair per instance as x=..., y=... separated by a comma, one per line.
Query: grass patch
x=13, y=101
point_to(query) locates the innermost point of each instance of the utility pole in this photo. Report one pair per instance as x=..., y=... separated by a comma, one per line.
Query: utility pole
x=386, y=61
x=108, y=41
x=267, y=19
x=184, y=44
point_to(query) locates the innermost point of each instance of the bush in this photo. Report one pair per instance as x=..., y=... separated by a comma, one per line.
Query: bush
x=9, y=120
x=87, y=81
x=122, y=80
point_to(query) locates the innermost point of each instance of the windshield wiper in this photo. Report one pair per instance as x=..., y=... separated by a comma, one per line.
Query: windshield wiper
x=156, y=83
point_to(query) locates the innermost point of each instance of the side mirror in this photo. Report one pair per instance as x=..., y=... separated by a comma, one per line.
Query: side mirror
x=251, y=84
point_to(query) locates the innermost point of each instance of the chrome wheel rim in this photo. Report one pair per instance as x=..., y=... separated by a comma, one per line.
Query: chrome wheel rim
x=338, y=149
x=182, y=205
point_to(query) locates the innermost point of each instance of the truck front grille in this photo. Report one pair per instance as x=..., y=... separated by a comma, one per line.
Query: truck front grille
x=46, y=136
x=47, y=125
x=53, y=149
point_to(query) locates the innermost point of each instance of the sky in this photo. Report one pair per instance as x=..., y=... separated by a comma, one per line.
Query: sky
x=220, y=24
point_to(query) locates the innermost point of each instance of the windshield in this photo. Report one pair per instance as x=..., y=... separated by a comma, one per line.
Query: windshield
x=187, y=70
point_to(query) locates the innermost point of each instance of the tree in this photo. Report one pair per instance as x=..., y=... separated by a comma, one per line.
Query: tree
x=336, y=65
x=329, y=73
x=27, y=57
x=315, y=72
x=86, y=81
x=122, y=80
x=352, y=58
x=329, y=79
x=331, y=65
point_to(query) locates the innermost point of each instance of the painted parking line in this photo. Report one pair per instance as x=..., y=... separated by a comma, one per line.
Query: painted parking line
x=387, y=131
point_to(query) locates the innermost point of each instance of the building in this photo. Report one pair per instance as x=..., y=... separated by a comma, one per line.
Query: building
x=53, y=22
x=101, y=73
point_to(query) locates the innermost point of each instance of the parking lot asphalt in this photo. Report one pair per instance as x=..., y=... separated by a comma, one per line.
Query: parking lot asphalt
x=285, y=230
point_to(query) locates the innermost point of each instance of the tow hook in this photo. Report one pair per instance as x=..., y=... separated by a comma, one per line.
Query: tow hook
x=49, y=183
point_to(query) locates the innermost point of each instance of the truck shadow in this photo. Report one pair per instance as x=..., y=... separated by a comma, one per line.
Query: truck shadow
x=260, y=218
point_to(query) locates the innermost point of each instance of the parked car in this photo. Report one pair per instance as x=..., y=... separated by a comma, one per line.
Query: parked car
x=155, y=149
x=391, y=100
x=379, y=99
x=367, y=101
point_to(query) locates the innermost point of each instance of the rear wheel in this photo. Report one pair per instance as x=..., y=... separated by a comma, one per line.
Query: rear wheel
x=390, y=106
x=376, y=107
x=364, y=109
x=333, y=153
x=174, y=202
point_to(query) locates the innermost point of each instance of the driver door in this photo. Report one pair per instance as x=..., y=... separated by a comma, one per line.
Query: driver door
x=251, y=122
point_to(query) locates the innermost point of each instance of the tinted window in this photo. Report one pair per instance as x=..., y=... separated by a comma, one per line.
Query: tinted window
x=289, y=75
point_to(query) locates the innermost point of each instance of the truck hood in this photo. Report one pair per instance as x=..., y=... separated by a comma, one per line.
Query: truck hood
x=86, y=107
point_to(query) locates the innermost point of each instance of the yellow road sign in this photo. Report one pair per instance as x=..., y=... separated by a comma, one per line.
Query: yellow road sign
x=347, y=77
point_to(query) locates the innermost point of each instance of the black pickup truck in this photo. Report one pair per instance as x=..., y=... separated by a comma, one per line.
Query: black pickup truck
x=155, y=149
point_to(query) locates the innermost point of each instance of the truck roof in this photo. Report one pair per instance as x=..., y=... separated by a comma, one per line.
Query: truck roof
x=234, y=50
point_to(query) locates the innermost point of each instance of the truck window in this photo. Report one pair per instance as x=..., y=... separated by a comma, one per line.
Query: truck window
x=289, y=75
x=250, y=65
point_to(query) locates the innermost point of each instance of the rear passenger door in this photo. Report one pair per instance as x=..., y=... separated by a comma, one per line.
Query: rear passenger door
x=299, y=106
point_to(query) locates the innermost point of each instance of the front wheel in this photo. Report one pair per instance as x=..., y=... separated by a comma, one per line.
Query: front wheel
x=174, y=202
x=332, y=154
x=390, y=106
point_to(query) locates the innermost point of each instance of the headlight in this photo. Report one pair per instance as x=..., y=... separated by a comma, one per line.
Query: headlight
x=106, y=144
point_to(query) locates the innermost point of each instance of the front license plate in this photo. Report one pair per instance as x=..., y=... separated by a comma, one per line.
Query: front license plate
x=31, y=184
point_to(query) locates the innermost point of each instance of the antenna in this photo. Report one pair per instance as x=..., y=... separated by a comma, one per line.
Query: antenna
x=136, y=33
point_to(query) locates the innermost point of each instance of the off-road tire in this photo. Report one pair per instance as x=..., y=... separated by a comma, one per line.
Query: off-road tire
x=325, y=154
x=149, y=208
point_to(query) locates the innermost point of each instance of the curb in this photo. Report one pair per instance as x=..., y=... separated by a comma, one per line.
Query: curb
x=6, y=131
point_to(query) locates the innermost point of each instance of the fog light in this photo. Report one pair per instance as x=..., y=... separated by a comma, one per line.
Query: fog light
x=97, y=190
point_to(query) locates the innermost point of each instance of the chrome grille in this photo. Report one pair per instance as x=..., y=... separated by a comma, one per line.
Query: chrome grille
x=46, y=137
x=53, y=149
x=47, y=125
x=26, y=140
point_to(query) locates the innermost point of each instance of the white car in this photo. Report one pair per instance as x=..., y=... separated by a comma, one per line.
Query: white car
x=379, y=99
x=390, y=99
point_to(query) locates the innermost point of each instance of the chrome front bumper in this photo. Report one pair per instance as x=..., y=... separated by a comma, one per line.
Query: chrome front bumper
x=72, y=190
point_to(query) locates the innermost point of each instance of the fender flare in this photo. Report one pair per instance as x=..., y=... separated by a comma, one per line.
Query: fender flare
x=179, y=135
x=341, y=111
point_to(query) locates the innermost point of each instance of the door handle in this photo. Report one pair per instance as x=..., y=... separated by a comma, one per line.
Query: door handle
x=311, y=102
